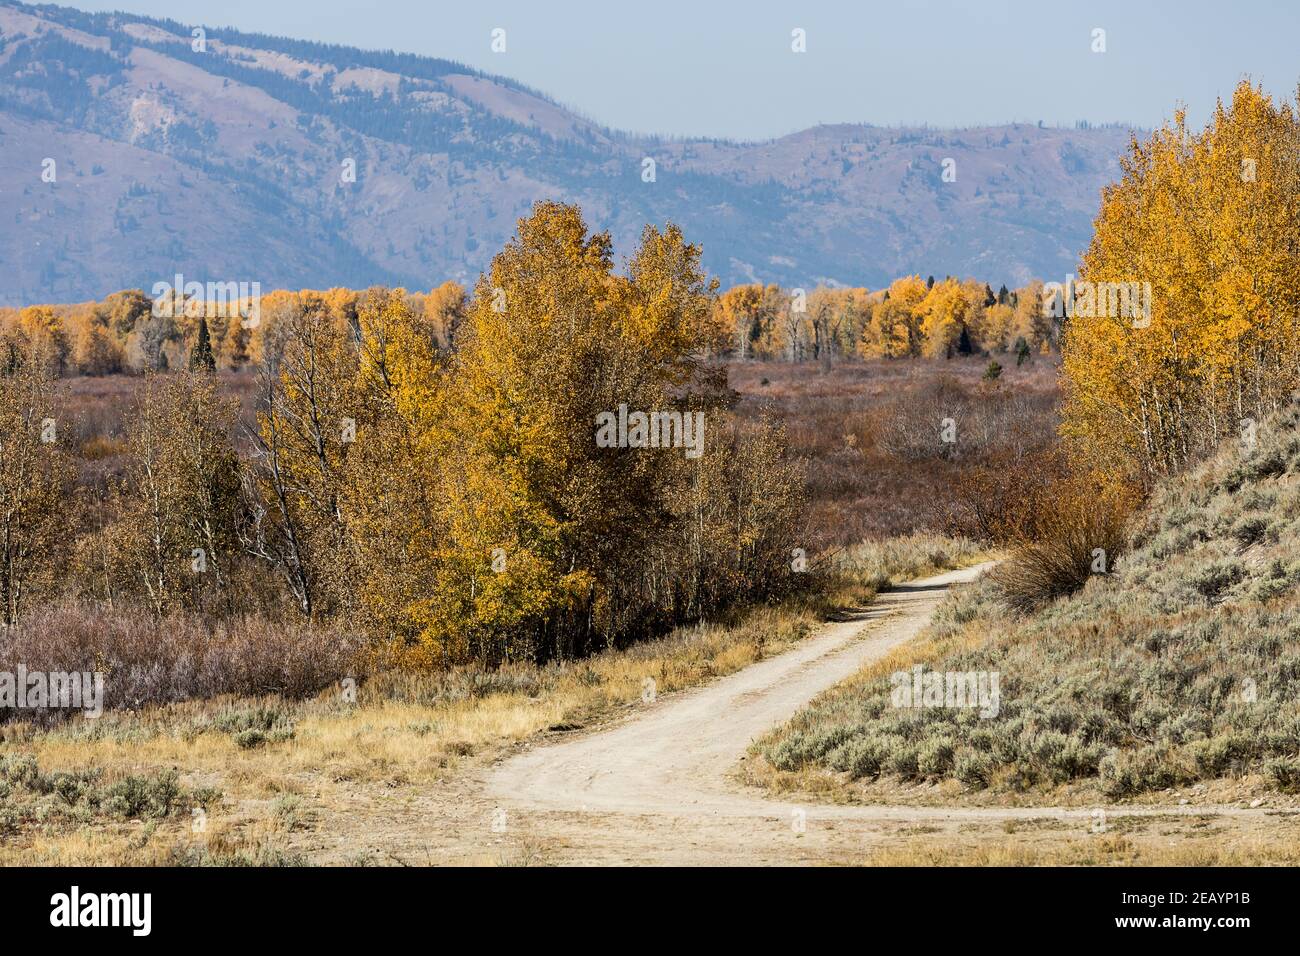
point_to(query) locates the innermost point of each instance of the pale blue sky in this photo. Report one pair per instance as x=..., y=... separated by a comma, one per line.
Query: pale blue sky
x=712, y=68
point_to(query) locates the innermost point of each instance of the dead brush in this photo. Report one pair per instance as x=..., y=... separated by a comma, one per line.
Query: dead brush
x=149, y=660
x=1073, y=528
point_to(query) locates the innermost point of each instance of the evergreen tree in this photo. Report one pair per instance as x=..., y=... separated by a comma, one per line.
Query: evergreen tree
x=201, y=357
x=964, y=345
x=1022, y=351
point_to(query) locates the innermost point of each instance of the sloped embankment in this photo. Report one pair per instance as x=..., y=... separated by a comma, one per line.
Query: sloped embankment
x=1182, y=665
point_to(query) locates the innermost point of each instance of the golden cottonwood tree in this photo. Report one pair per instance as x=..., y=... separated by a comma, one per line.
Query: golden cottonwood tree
x=307, y=425
x=97, y=351
x=394, y=519
x=444, y=308
x=896, y=320
x=944, y=313
x=749, y=312
x=44, y=328
x=1031, y=321
x=999, y=321
x=552, y=338
x=495, y=527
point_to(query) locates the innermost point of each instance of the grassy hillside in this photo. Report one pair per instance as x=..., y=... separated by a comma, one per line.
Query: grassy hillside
x=1180, y=667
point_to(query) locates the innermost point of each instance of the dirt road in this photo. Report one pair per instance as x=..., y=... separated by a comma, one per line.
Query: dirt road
x=673, y=757
x=656, y=787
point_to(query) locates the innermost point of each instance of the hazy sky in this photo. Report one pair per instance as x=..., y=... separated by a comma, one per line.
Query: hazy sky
x=712, y=68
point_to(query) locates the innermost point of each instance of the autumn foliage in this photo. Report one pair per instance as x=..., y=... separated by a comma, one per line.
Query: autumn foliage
x=423, y=470
x=1211, y=219
x=479, y=517
x=911, y=318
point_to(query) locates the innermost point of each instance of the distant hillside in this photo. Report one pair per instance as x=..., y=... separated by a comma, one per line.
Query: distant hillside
x=228, y=163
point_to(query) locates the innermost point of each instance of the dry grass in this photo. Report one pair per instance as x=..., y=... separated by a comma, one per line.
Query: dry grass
x=148, y=661
x=1073, y=529
x=1109, y=849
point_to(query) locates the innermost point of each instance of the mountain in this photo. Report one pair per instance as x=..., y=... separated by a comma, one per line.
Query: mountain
x=229, y=162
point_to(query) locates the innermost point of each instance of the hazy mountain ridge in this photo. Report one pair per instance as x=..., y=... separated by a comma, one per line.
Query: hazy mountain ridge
x=227, y=163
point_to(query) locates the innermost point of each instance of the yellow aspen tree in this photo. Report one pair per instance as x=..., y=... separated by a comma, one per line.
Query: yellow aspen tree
x=1209, y=223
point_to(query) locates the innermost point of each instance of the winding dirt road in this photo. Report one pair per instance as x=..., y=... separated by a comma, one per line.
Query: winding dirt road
x=673, y=757
x=656, y=786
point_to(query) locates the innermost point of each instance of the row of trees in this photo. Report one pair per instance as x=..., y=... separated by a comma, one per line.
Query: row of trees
x=911, y=318
x=35, y=484
x=437, y=486
x=126, y=333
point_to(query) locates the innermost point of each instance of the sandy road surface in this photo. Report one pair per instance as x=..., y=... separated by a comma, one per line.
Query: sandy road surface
x=673, y=758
